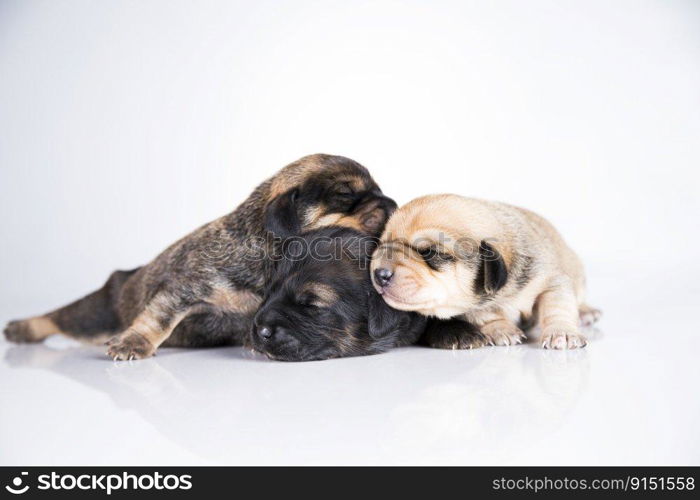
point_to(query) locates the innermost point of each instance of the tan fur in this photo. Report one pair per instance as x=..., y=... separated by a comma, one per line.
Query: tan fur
x=242, y=301
x=148, y=331
x=316, y=217
x=338, y=220
x=325, y=295
x=41, y=327
x=294, y=174
x=553, y=290
x=38, y=328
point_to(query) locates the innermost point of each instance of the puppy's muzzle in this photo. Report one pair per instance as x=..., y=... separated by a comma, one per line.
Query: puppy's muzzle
x=268, y=327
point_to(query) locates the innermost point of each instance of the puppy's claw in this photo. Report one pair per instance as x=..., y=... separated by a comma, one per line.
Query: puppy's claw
x=556, y=338
x=502, y=333
x=130, y=346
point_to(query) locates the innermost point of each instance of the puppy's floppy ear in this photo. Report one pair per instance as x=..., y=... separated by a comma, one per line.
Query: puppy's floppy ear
x=492, y=274
x=282, y=216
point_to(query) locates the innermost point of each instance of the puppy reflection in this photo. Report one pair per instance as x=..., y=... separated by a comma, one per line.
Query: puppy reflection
x=454, y=399
x=322, y=304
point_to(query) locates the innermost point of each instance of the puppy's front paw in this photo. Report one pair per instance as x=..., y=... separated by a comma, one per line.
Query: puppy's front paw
x=453, y=334
x=502, y=333
x=129, y=345
x=451, y=341
x=562, y=338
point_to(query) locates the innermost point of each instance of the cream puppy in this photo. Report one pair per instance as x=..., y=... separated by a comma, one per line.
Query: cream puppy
x=488, y=267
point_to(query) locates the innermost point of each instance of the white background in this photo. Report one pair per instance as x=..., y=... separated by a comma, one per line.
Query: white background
x=124, y=125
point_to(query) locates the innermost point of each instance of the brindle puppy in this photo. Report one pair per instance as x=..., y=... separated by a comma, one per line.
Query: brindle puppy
x=322, y=304
x=205, y=289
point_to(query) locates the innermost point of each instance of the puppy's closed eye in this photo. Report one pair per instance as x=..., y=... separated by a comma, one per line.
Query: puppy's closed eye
x=307, y=299
x=311, y=300
x=434, y=257
x=343, y=190
x=341, y=197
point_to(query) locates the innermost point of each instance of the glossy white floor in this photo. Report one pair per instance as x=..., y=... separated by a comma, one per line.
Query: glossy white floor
x=630, y=397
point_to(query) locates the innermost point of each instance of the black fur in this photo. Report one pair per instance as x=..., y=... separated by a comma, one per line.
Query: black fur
x=521, y=270
x=357, y=322
x=95, y=313
x=282, y=215
x=492, y=274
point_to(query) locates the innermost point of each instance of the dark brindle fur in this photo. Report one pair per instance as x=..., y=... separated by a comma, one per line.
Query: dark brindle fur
x=205, y=289
x=322, y=304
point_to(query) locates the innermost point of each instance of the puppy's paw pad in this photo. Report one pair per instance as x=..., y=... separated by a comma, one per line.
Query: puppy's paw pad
x=129, y=346
x=562, y=339
x=20, y=332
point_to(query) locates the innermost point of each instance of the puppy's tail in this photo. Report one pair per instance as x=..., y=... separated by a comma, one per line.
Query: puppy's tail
x=91, y=319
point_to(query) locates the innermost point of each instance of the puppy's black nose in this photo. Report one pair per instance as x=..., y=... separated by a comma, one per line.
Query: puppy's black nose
x=265, y=332
x=382, y=276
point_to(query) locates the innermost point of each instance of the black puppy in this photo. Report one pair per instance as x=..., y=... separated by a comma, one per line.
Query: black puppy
x=322, y=304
